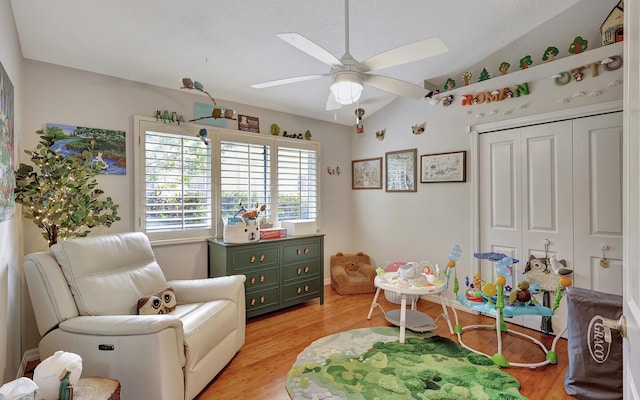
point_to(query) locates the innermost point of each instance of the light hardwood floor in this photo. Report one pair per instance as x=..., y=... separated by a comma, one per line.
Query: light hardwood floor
x=273, y=341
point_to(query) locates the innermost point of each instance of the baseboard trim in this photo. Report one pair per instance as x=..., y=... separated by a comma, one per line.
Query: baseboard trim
x=29, y=355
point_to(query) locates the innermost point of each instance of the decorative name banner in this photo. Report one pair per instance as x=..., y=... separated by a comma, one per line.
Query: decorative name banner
x=608, y=64
x=496, y=95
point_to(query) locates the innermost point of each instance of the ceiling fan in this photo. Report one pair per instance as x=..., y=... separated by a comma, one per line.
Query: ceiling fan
x=348, y=75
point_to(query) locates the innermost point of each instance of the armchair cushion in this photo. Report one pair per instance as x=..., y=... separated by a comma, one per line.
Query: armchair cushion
x=97, y=267
x=161, y=302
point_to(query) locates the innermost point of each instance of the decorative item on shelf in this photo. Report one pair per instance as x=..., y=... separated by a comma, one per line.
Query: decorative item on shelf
x=292, y=135
x=484, y=75
x=447, y=100
x=359, y=125
x=504, y=68
x=333, y=171
x=61, y=195
x=248, y=124
x=275, y=130
x=169, y=117
x=418, y=129
x=466, y=77
x=612, y=27
x=525, y=62
x=449, y=84
x=380, y=134
x=578, y=45
x=550, y=54
x=307, y=135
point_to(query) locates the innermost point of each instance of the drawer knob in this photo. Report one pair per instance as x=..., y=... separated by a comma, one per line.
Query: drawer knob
x=261, y=257
x=261, y=299
x=252, y=259
x=299, y=290
x=261, y=278
x=298, y=252
x=306, y=251
x=299, y=271
x=253, y=302
x=306, y=269
x=252, y=280
x=306, y=288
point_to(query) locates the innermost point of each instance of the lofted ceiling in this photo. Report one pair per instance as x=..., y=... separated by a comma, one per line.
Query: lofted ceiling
x=229, y=45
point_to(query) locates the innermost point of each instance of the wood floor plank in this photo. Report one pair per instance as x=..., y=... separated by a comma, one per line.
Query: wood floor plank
x=273, y=341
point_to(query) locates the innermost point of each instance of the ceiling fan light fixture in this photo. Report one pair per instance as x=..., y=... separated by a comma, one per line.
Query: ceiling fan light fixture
x=346, y=87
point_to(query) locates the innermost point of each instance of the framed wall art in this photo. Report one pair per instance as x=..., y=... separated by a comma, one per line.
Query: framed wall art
x=366, y=174
x=443, y=167
x=401, y=170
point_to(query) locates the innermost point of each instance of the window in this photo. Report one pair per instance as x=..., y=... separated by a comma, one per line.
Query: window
x=174, y=182
x=245, y=177
x=186, y=188
x=297, y=184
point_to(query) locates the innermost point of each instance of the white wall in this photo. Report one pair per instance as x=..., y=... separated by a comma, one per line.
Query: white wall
x=426, y=224
x=68, y=96
x=10, y=232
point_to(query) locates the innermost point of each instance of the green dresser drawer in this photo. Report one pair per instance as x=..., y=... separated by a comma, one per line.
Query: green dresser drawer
x=262, y=299
x=302, y=250
x=258, y=279
x=259, y=256
x=300, y=270
x=301, y=290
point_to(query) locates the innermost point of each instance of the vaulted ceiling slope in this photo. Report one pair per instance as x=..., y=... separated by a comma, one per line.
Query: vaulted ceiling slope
x=229, y=45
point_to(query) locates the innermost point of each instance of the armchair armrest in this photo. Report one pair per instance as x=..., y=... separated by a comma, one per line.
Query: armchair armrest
x=122, y=325
x=201, y=290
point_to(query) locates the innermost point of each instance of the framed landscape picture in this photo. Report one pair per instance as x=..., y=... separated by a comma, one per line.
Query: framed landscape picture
x=443, y=167
x=366, y=174
x=401, y=171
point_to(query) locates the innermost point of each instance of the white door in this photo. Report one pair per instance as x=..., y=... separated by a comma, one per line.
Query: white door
x=526, y=199
x=597, y=211
x=631, y=200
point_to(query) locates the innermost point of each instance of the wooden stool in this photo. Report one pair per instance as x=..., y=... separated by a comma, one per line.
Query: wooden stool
x=95, y=388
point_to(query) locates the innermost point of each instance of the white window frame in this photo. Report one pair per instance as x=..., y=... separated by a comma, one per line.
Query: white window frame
x=215, y=136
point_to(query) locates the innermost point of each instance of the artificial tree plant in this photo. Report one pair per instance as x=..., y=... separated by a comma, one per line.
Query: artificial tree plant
x=60, y=195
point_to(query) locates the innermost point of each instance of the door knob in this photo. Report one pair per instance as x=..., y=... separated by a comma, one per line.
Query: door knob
x=619, y=325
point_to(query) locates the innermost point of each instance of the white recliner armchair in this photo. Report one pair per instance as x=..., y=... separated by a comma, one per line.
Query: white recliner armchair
x=85, y=295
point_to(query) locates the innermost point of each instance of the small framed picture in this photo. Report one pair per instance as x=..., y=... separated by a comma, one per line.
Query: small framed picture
x=443, y=167
x=401, y=171
x=366, y=174
x=248, y=124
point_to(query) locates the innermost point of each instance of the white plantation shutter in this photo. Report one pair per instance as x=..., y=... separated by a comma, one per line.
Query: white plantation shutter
x=177, y=183
x=245, y=176
x=297, y=184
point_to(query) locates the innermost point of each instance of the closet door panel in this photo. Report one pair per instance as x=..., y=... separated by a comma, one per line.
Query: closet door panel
x=598, y=215
x=547, y=201
x=500, y=196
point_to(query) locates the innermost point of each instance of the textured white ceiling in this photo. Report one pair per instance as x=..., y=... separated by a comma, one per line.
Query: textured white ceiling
x=229, y=45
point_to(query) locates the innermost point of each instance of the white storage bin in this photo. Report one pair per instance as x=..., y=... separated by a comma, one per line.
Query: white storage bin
x=297, y=227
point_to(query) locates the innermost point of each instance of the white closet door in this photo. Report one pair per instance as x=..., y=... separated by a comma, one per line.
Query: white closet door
x=597, y=183
x=526, y=198
x=547, y=202
x=500, y=197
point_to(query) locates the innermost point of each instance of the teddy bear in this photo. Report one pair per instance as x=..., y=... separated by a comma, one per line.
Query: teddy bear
x=352, y=273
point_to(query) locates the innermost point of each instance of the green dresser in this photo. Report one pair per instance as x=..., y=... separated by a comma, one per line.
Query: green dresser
x=280, y=272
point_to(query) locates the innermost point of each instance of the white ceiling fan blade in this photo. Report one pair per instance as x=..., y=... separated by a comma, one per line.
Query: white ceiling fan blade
x=406, y=54
x=395, y=86
x=287, y=80
x=332, y=103
x=307, y=46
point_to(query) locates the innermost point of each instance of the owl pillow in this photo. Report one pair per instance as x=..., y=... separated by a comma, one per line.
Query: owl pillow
x=162, y=302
